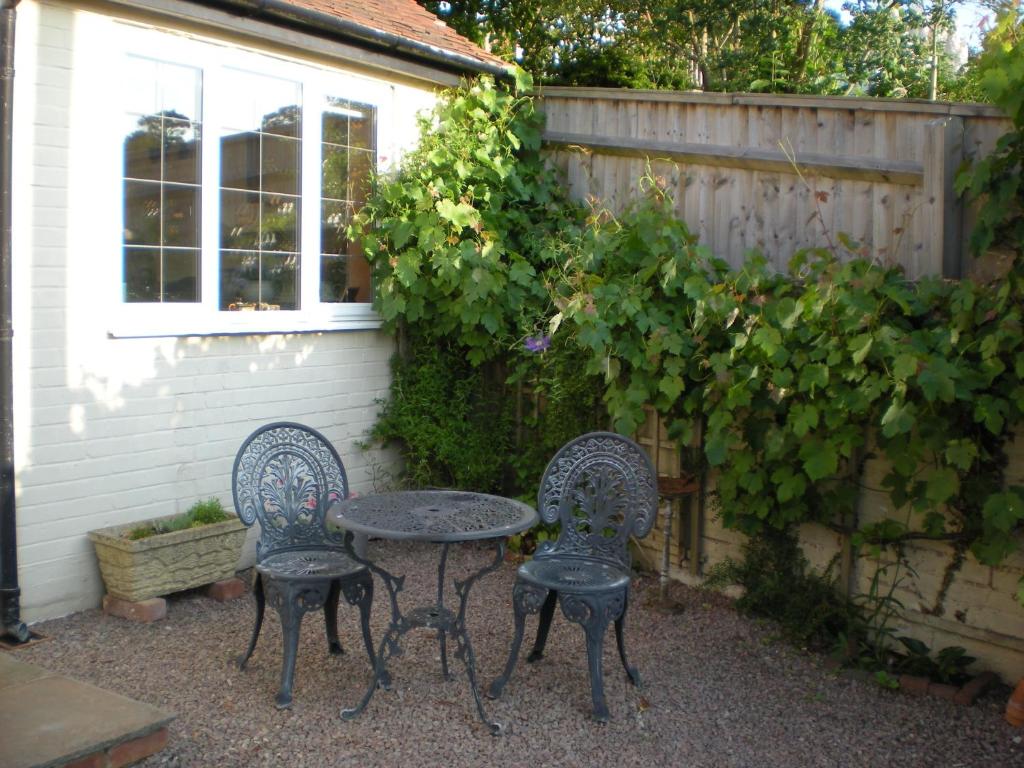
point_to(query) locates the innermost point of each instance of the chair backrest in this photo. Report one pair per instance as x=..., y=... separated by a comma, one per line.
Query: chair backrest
x=286, y=476
x=603, y=489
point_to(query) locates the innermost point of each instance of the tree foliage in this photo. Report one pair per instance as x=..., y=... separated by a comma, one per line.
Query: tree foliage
x=888, y=48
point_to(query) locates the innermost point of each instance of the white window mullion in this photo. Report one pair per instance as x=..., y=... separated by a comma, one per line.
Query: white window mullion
x=210, y=235
x=309, y=268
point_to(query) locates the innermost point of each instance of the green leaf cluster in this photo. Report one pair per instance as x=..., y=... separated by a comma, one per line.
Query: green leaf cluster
x=788, y=380
x=456, y=237
x=797, y=377
x=995, y=181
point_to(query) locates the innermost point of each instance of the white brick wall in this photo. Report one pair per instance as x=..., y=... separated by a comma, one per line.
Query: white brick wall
x=115, y=430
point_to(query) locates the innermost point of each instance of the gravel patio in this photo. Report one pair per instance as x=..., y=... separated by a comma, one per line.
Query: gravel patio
x=719, y=690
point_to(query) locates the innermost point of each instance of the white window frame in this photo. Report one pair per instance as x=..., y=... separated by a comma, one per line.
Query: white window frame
x=205, y=318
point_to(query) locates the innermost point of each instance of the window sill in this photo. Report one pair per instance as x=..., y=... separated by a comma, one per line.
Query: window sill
x=135, y=325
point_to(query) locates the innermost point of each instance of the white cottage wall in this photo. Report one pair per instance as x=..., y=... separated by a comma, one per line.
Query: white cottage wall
x=112, y=430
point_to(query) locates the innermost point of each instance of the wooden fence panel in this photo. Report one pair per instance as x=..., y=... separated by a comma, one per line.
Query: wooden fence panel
x=780, y=173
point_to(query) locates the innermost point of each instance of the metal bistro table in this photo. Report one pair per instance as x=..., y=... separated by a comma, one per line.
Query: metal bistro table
x=443, y=517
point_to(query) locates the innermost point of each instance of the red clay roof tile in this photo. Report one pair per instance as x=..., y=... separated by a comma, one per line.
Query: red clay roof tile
x=404, y=18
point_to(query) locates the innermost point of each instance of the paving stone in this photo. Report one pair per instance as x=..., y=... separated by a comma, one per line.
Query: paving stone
x=54, y=720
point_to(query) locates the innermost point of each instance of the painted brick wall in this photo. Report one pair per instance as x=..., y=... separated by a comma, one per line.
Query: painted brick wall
x=113, y=430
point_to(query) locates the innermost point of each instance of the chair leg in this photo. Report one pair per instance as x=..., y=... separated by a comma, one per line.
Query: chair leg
x=331, y=619
x=547, y=612
x=526, y=599
x=291, y=620
x=593, y=612
x=634, y=675
x=261, y=604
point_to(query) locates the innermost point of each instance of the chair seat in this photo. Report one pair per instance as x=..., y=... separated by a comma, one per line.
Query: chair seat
x=308, y=564
x=573, y=574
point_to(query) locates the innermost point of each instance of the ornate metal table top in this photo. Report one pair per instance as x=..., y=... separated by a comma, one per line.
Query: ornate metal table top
x=441, y=516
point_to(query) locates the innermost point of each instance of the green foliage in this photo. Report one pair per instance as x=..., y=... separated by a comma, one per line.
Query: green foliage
x=452, y=420
x=792, y=46
x=458, y=234
x=949, y=665
x=560, y=402
x=995, y=180
x=199, y=514
x=791, y=374
x=779, y=584
x=791, y=378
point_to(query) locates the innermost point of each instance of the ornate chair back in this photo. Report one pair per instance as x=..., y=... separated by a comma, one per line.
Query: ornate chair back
x=603, y=489
x=286, y=476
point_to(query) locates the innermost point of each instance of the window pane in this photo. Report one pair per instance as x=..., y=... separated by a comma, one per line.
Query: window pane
x=344, y=278
x=239, y=280
x=181, y=216
x=180, y=90
x=335, y=219
x=362, y=127
x=240, y=161
x=254, y=102
x=359, y=164
x=140, y=86
x=279, y=228
x=281, y=165
x=279, y=281
x=142, y=213
x=347, y=159
x=239, y=220
x=348, y=123
x=335, y=122
x=142, y=149
x=181, y=151
x=181, y=274
x=334, y=172
x=162, y=197
x=142, y=274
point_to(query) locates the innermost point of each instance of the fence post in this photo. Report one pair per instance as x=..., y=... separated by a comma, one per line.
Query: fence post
x=943, y=154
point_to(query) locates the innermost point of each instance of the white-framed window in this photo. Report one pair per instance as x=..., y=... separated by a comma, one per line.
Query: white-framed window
x=239, y=175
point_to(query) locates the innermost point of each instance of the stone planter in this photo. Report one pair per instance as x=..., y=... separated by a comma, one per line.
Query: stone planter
x=167, y=562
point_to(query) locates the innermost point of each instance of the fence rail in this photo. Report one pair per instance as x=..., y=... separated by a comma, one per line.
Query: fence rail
x=780, y=173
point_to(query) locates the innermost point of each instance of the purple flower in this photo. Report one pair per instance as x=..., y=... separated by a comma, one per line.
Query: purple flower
x=537, y=343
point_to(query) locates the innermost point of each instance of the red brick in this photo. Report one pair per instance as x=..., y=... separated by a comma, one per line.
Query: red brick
x=143, y=611
x=914, y=684
x=973, y=688
x=132, y=751
x=225, y=590
x=95, y=760
x=943, y=691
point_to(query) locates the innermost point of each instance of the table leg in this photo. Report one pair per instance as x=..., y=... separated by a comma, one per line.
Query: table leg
x=441, y=633
x=389, y=643
x=464, y=648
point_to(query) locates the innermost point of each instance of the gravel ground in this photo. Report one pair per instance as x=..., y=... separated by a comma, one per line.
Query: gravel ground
x=719, y=690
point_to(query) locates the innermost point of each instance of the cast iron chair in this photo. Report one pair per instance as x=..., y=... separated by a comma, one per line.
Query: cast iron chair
x=287, y=476
x=602, y=488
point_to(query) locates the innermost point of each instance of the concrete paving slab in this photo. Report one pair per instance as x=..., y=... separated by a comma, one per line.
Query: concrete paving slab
x=49, y=720
x=15, y=672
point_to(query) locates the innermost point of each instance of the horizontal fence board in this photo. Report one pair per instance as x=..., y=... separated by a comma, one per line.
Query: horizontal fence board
x=778, y=173
x=834, y=166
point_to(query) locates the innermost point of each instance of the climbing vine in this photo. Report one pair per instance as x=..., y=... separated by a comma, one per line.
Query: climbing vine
x=793, y=377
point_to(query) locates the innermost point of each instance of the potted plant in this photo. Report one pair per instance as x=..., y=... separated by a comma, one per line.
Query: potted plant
x=142, y=560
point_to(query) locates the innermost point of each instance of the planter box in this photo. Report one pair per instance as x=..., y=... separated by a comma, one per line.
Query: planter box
x=167, y=562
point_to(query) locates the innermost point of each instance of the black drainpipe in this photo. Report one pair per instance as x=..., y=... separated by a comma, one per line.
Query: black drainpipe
x=11, y=624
